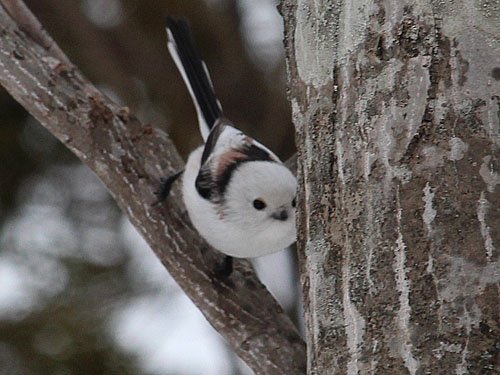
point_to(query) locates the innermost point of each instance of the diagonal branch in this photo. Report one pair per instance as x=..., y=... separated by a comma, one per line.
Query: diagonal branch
x=130, y=158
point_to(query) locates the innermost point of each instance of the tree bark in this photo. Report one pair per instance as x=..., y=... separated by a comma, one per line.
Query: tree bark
x=396, y=108
x=130, y=158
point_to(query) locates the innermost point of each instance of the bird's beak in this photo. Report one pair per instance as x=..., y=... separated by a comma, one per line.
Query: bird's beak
x=280, y=215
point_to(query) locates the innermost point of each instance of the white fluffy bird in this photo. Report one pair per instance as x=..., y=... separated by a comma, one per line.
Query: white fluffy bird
x=238, y=194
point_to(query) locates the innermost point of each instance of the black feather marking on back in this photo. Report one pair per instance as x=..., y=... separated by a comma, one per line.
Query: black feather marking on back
x=204, y=183
x=195, y=71
x=223, y=180
x=255, y=153
x=212, y=139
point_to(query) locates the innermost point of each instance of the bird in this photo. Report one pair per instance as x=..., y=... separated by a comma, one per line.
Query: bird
x=239, y=195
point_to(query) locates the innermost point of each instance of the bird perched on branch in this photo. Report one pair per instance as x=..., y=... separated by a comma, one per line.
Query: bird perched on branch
x=238, y=194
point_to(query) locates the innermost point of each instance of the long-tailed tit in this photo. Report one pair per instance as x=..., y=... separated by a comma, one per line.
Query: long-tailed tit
x=239, y=195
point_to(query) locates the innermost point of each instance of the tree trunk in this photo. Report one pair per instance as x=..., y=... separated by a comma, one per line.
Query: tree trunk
x=396, y=107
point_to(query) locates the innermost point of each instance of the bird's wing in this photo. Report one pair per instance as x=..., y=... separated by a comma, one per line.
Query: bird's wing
x=225, y=149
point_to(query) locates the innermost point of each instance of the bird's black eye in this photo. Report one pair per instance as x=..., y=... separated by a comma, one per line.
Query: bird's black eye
x=294, y=202
x=259, y=204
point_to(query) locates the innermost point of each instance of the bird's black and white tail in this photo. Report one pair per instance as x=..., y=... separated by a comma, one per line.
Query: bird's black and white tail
x=194, y=72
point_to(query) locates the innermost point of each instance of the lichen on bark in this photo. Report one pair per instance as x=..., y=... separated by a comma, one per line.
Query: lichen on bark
x=397, y=132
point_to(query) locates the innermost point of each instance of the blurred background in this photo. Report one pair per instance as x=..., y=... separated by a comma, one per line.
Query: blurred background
x=80, y=291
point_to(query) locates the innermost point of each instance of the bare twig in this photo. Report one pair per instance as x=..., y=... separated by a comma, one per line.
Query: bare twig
x=130, y=158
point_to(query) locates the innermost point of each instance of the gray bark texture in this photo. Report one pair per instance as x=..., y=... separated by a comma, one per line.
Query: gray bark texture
x=130, y=158
x=396, y=108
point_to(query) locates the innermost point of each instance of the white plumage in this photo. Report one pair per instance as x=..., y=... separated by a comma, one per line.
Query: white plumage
x=239, y=195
